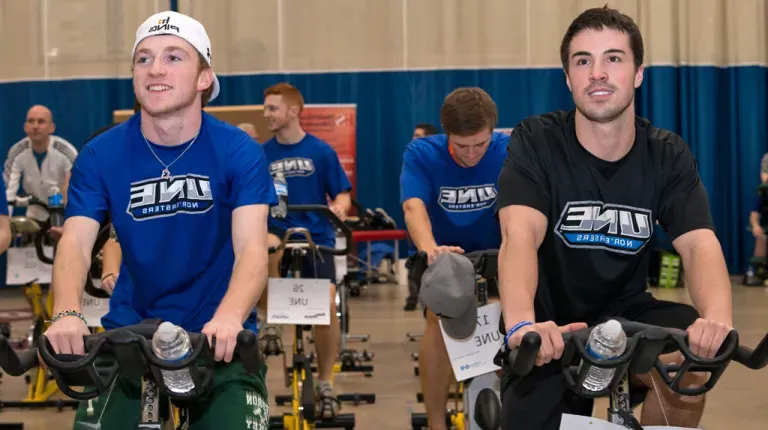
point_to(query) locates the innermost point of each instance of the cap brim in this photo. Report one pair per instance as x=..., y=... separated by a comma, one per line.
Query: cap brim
x=462, y=326
x=216, y=88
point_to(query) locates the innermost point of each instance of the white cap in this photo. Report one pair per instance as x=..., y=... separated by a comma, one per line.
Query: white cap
x=166, y=331
x=180, y=25
x=612, y=329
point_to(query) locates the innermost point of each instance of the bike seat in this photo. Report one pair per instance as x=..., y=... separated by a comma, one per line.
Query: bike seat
x=487, y=410
x=24, y=225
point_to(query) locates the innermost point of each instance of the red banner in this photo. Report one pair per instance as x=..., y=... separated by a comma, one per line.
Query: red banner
x=335, y=124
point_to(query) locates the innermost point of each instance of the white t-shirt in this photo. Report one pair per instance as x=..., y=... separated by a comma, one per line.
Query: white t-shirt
x=21, y=165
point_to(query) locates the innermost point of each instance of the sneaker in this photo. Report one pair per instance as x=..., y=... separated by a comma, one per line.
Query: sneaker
x=327, y=403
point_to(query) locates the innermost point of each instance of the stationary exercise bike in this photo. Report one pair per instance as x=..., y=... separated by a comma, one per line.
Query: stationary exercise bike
x=645, y=345
x=481, y=404
x=299, y=375
x=25, y=231
x=128, y=351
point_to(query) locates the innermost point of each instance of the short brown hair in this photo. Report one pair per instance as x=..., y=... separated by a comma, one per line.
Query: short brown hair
x=203, y=64
x=598, y=19
x=291, y=94
x=467, y=111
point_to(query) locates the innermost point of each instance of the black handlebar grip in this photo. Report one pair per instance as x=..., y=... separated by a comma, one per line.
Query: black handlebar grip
x=753, y=359
x=248, y=348
x=39, y=238
x=16, y=365
x=522, y=359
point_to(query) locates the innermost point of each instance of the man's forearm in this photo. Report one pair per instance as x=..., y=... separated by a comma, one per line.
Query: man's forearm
x=518, y=279
x=420, y=229
x=113, y=257
x=70, y=267
x=708, y=281
x=249, y=279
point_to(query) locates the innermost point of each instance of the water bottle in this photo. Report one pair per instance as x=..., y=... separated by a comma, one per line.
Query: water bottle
x=56, y=205
x=171, y=343
x=606, y=341
x=281, y=188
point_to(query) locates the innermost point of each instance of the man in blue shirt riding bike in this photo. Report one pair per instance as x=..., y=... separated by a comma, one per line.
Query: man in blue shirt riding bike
x=448, y=193
x=188, y=195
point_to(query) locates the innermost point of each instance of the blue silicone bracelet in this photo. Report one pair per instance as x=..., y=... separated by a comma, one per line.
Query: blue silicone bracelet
x=516, y=327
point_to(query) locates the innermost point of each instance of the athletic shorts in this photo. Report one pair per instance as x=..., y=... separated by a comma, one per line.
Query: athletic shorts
x=417, y=266
x=538, y=400
x=237, y=400
x=314, y=265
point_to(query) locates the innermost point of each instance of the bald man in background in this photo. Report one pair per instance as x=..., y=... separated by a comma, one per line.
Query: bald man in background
x=38, y=161
x=250, y=129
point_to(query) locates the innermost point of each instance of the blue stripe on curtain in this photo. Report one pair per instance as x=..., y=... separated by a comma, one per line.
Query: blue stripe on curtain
x=720, y=111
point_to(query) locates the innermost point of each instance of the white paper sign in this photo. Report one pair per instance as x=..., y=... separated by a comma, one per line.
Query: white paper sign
x=93, y=308
x=577, y=422
x=297, y=301
x=24, y=266
x=473, y=356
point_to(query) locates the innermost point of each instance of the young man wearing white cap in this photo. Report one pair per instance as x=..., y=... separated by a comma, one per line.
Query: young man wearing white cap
x=188, y=196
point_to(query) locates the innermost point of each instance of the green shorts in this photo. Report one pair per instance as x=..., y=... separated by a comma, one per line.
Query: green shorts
x=237, y=400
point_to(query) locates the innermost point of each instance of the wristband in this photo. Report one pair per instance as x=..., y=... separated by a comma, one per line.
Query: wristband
x=516, y=327
x=68, y=313
x=106, y=276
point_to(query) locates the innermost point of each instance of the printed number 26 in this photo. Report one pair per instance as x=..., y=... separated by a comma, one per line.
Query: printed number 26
x=298, y=288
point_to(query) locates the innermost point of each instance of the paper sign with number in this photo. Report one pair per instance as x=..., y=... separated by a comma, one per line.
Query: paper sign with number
x=25, y=267
x=94, y=308
x=473, y=356
x=299, y=301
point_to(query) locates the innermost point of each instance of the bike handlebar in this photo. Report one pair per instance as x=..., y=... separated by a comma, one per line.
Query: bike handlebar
x=478, y=258
x=325, y=210
x=645, y=343
x=131, y=352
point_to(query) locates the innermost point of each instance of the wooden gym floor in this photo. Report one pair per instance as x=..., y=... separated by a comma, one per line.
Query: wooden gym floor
x=739, y=401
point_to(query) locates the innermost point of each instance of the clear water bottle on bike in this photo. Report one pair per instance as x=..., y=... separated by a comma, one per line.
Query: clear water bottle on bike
x=606, y=341
x=281, y=188
x=56, y=205
x=171, y=343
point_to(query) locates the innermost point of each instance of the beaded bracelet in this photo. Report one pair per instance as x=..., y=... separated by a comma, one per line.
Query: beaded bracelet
x=517, y=327
x=68, y=313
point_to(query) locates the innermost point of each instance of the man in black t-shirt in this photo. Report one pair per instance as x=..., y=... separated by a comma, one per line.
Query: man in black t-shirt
x=579, y=197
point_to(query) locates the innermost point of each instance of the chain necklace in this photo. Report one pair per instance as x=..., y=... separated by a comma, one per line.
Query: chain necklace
x=166, y=173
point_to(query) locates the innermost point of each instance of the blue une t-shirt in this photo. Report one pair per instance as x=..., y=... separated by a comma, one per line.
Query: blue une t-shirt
x=176, y=236
x=312, y=170
x=460, y=200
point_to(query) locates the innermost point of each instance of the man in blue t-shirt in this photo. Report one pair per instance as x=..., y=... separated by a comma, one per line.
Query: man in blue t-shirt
x=314, y=175
x=448, y=193
x=188, y=195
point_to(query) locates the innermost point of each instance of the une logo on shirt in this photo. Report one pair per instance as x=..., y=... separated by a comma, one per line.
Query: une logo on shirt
x=598, y=225
x=462, y=199
x=159, y=197
x=295, y=166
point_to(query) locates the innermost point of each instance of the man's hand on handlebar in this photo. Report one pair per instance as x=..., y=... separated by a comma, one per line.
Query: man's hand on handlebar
x=552, y=344
x=225, y=329
x=433, y=253
x=66, y=335
x=338, y=210
x=705, y=337
x=55, y=232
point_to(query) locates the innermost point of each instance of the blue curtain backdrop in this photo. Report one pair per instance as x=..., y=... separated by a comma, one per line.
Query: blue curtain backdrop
x=719, y=111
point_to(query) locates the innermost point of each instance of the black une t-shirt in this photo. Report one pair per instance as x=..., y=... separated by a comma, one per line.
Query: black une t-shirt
x=601, y=215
